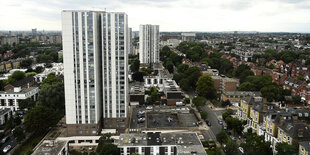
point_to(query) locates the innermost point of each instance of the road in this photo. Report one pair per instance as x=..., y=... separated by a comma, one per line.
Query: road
x=11, y=142
x=212, y=117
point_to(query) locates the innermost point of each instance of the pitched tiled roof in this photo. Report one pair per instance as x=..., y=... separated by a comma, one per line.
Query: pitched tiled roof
x=23, y=81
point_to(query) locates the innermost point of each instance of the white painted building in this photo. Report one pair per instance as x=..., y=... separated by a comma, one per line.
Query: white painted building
x=149, y=43
x=160, y=143
x=95, y=49
x=10, y=98
x=52, y=147
x=5, y=115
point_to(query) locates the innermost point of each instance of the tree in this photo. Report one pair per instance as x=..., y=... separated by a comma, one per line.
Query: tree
x=2, y=84
x=19, y=133
x=205, y=87
x=153, y=96
x=169, y=66
x=203, y=115
x=40, y=118
x=39, y=69
x=31, y=74
x=227, y=114
x=9, y=124
x=106, y=146
x=221, y=137
x=16, y=76
x=135, y=65
x=287, y=56
x=231, y=147
x=26, y=104
x=286, y=149
x=270, y=54
x=296, y=99
x=244, y=75
x=45, y=58
x=247, y=86
x=256, y=145
x=271, y=92
x=50, y=80
x=241, y=68
x=26, y=63
x=182, y=68
x=234, y=124
x=137, y=76
x=199, y=101
x=187, y=100
x=52, y=96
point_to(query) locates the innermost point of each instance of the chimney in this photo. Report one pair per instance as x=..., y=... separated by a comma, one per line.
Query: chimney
x=300, y=132
x=17, y=89
x=265, y=107
x=295, y=118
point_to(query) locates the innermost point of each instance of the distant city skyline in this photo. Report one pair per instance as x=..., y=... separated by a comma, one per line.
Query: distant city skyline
x=171, y=15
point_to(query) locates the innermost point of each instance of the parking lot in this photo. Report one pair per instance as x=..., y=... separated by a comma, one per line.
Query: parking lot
x=160, y=120
x=162, y=117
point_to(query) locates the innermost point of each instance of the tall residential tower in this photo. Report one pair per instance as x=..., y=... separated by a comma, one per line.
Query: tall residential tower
x=95, y=70
x=149, y=44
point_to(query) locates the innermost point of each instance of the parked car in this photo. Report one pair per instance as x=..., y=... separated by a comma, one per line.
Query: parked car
x=232, y=137
x=220, y=122
x=241, y=150
x=141, y=120
x=149, y=108
x=224, y=127
x=7, y=148
x=5, y=139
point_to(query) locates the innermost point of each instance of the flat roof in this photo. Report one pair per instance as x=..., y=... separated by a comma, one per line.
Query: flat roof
x=186, y=143
x=50, y=147
x=23, y=91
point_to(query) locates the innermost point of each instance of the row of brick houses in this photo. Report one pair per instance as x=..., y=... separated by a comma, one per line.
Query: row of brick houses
x=275, y=124
x=286, y=75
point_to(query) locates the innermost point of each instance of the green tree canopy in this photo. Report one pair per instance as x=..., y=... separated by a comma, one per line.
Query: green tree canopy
x=135, y=65
x=199, y=101
x=40, y=118
x=19, y=133
x=27, y=103
x=106, y=146
x=52, y=96
x=182, y=68
x=231, y=147
x=50, y=80
x=221, y=137
x=256, y=145
x=26, y=63
x=16, y=76
x=205, y=87
x=286, y=149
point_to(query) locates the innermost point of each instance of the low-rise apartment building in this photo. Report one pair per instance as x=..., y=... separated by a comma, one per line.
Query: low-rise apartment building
x=304, y=148
x=52, y=147
x=236, y=96
x=11, y=98
x=160, y=144
x=293, y=133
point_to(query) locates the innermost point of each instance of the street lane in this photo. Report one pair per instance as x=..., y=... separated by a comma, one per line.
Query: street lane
x=11, y=142
x=213, y=118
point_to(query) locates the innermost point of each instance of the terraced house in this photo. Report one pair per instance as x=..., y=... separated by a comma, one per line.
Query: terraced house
x=257, y=112
x=293, y=133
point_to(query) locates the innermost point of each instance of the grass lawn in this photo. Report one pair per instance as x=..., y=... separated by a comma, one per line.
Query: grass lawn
x=27, y=146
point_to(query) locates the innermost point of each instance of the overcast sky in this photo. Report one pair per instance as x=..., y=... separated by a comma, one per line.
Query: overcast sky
x=171, y=15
